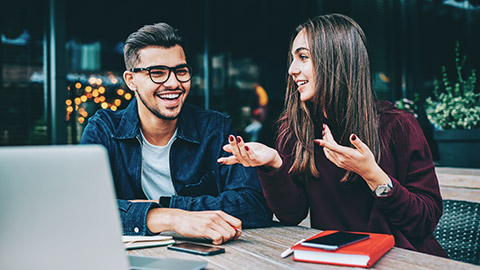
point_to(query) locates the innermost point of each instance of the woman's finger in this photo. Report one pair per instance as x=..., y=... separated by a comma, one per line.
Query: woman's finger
x=331, y=146
x=227, y=148
x=235, y=150
x=327, y=134
x=361, y=147
x=228, y=160
x=330, y=155
x=250, y=153
x=242, y=151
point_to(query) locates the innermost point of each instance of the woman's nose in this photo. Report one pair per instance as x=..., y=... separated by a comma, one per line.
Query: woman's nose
x=293, y=69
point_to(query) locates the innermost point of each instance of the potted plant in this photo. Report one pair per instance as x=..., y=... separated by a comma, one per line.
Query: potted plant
x=454, y=111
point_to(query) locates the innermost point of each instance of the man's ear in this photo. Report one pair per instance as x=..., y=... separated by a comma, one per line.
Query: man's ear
x=128, y=78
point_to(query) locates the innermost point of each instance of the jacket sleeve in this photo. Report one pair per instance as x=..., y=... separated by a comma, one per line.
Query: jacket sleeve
x=133, y=216
x=414, y=205
x=240, y=193
x=287, y=199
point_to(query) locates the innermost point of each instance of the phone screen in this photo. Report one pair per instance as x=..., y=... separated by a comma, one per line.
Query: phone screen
x=335, y=240
x=196, y=248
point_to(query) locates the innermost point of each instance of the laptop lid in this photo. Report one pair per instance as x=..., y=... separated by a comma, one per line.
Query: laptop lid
x=58, y=211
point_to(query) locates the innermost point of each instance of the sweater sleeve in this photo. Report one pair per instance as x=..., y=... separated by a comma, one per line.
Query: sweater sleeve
x=415, y=205
x=287, y=199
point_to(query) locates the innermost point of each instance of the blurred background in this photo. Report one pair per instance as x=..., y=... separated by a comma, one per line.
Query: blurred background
x=62, y=60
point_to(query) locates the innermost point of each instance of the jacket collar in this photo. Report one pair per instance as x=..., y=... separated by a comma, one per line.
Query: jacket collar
x=129, y=127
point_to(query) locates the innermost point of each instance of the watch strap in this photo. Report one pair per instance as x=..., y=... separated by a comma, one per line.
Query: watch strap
x=165, y=201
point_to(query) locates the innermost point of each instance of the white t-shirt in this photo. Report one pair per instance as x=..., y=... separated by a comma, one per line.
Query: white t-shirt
x=156, y=178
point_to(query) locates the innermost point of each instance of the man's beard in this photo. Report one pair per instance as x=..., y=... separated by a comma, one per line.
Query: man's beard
x=156, y=112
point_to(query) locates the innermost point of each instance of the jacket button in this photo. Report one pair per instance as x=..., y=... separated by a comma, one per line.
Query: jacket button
x=136, y=229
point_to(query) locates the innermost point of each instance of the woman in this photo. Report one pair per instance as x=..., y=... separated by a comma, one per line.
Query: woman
x=357, y=164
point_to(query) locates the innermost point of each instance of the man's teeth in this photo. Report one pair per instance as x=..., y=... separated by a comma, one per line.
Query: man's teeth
x=170, y=96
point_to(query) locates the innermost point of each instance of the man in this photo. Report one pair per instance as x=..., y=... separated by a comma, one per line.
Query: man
x=164, y=152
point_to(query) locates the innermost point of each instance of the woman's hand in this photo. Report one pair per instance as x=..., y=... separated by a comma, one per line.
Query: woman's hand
x=250, y=154
x=359, y=160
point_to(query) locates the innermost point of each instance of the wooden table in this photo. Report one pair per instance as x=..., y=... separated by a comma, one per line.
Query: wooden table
x=261, y=249
x=459, y=183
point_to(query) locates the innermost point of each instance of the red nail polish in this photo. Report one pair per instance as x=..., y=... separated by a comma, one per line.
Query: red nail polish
x=246, y=148
x=238, y=139
x=324, y=126
x=354, y=137
x=231, y=138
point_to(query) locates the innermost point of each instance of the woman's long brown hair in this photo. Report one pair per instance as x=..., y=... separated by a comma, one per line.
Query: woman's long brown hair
x=343, y=99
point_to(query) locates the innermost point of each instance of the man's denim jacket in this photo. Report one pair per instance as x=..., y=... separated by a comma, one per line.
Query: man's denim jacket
x=200, y=182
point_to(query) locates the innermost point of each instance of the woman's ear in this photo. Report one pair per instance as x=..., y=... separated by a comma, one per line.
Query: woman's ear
x=128, y=78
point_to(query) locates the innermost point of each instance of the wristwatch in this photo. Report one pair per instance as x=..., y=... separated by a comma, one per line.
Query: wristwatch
x=383, y=190
x=165, y=201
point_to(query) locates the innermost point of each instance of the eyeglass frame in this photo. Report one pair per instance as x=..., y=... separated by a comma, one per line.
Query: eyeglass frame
x=170, y=70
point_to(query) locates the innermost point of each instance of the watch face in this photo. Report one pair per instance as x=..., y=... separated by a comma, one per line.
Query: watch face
x=382, y=190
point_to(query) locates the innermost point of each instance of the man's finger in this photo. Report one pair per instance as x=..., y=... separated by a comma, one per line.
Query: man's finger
x=224, y=229
x=216, y=237
x=233, y=221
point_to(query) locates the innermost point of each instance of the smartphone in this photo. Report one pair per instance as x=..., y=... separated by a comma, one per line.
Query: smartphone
x=335, y=240
x=197, y=249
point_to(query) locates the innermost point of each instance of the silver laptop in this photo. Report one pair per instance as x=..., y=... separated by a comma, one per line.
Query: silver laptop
x=58, y=211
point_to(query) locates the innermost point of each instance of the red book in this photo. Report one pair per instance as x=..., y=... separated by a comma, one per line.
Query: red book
x=361, y=254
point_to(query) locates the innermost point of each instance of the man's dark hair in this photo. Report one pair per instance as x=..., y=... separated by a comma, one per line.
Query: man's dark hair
x=159, y=34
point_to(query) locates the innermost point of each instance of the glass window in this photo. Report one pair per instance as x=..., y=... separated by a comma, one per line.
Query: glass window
x=22, y=96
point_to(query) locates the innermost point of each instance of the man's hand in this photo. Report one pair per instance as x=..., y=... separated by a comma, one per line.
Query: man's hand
x=216, y=225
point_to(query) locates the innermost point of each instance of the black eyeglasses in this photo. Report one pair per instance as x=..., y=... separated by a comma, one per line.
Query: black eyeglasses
x=160, y=74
